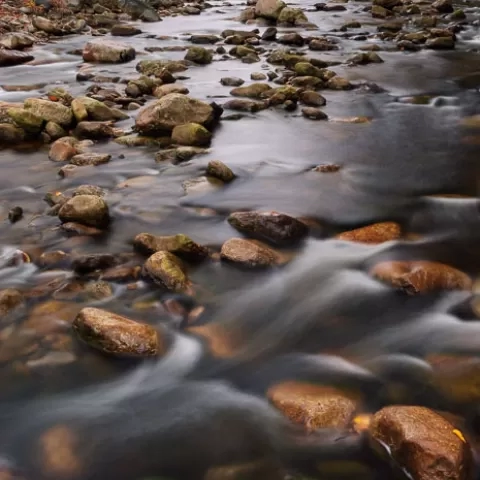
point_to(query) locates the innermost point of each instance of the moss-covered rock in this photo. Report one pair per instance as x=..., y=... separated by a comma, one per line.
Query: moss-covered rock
x=180, y=245
x=199, y=55
x=26, y=120
x=96, y=110
x=292, y=16
x=50, y=111
x=156, y=67
x=165, y=269
x=255, y=90
x=87, y=210
x=219, y=170
x=304, y=69
x=191, y=134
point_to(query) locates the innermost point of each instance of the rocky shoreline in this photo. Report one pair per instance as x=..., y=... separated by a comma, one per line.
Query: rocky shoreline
x=58, y=320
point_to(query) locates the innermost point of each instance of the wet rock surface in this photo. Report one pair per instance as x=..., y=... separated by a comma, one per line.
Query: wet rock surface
x=339, y=139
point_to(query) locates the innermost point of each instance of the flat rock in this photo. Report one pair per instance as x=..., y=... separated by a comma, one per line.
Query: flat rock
x=372, y=234
x=105, y=51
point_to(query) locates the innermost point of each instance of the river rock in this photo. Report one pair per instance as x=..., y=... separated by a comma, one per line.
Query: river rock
x=93, y=159
x=17, y=40
x=172, y=110
x=10, y=134
x=10, y=298
x=440, y=43
x=180, y=245
x=422, y=442
x=269, y=9
x=421, y=276
x=54, y=130
x=232, y=81
x=199, y=55
x=247, y=253
x=114, y=334
x=314, y=406
x=204, y=39
x=339, y=83
x=62, y=149
x=191, y=134
x=26, y=120
x=312, y=99
x=219, y=170
x=88, y=210
x=165, y=269
x=255, y=90
x=124, y=30
x=273, y=227
x=163, y=90
x=157, y=67
x=46, y=25
x=292, y=16
x=245, y=105
x=365, y=58
x=89, y=263
x=443, y=6
x=313, y=113
x=388, y=4
x=104, y=51
x=50, y=111
x=372, y=234
x=10, y=58
x=96, y=110
x=94, y=130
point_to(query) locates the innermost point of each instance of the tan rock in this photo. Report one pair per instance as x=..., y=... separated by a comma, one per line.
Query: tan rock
x=248, y=253
x=180, y=245
x=104, y=51
x=62, y=149
x=421, y=276
x=10, y=299
x=314, y=406
x=422, y=442
x=114, y=334
x=88, y=210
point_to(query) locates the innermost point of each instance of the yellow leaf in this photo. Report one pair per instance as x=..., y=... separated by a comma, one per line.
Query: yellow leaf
x=459, y=434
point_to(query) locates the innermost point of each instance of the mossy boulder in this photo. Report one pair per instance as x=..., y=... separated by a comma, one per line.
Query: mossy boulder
x=180, y=245
x=26, y=120
x=165, y=269
x=304, y=69
x=191, y=134
x=219, y=170
x=50, y=111
x=199, y=55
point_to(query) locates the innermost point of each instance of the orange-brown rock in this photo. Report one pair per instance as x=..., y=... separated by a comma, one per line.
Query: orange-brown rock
x=375, y=233
x=422, y=442
x=114, y=334
x=457, y=377
x=58, y=458
x=421, y=276
x=10, y=299
x=314, y=406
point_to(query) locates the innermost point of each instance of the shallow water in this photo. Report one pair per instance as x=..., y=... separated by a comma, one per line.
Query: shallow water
x=322, y=303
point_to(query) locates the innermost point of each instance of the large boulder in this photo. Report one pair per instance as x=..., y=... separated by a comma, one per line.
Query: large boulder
x=50, y=111
x=269, y=9
x=117, y=335
x=172, y=110
x=104, y=51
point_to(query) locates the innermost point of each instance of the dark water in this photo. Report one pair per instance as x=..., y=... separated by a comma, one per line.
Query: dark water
x=191, y=410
